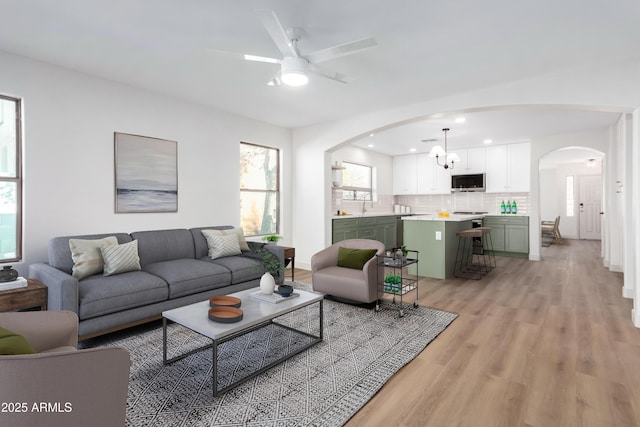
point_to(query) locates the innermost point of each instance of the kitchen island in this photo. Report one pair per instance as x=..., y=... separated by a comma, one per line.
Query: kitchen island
x=435, y=238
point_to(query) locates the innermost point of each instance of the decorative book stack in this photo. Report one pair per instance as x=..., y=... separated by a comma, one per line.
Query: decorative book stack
x=20, y=282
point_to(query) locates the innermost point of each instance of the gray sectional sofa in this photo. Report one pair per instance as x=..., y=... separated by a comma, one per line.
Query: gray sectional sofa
x=176, y=270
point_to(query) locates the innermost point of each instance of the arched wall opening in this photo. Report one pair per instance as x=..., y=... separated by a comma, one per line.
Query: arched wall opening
x=319, y=142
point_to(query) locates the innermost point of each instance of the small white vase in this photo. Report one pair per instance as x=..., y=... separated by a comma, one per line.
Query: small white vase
x=267, y=284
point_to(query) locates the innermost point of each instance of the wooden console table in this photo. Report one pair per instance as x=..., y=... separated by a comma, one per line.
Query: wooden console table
x=290, y=255
x=33, y=295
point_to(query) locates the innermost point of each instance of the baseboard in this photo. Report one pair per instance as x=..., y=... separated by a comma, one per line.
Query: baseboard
x=627, y=293
x=635, y=318
x=616, y=268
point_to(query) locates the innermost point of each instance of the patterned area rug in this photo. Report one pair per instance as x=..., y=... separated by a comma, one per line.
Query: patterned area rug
x=324, y=385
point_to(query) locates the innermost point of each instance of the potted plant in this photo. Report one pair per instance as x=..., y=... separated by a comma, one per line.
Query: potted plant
x=271, y=266
x=272, y=238
x=404, y=250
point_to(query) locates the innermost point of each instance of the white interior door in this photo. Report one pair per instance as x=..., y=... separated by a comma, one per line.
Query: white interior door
x=590, y=204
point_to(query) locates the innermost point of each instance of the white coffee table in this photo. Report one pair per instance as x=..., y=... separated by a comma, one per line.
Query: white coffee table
x=256, y=314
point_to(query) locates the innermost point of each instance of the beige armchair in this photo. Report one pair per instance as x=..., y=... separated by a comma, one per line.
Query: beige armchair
x=60, y=385
x=348, y=283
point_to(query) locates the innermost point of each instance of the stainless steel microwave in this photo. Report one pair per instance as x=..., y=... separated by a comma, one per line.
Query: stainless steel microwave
x=469, y=182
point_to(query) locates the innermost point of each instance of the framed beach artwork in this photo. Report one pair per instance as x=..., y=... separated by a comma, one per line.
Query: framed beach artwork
x=146, y=174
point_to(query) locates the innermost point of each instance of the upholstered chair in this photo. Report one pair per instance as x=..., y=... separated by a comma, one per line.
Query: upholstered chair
x=58, y=384
x=360, y=285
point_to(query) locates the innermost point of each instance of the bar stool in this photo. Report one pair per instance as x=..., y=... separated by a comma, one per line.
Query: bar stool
x=465, y=266
x=487, y=246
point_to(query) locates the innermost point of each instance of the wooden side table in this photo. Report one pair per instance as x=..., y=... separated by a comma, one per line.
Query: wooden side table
x=290, y=255
x=33, y=295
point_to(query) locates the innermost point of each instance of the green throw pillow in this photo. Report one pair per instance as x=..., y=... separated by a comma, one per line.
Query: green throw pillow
x=354, y=258
x=12, y=343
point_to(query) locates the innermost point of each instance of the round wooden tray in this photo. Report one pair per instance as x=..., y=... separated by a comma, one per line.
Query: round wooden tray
x=224, y=314
x=224, y=300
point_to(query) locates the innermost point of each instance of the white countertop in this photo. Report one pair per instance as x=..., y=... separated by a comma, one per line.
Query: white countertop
x=367, y=215
x=435, y=217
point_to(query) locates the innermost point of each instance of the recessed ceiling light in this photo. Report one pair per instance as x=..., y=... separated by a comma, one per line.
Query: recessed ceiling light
x=371, y=134
x=370, y=145
x=460, y=120
x=413, y=150
x=487, y=141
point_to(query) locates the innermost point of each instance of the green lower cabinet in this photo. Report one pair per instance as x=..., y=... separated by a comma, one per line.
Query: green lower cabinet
x=382, y=228
x=509, y=235
x=344, y=229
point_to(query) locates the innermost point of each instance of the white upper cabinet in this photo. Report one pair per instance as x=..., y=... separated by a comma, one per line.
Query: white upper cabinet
x=508, y=168
x=472, y=160
x=405, y=174
x=432, y=179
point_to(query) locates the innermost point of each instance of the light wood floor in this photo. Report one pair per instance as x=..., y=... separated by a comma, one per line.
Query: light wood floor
x=538, y=344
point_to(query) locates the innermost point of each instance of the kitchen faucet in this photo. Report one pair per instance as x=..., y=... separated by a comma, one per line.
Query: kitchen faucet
x=364, y=203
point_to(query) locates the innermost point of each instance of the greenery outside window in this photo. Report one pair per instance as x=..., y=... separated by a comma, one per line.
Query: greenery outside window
x=259, y=189
x=357, y=182
x=10, y=180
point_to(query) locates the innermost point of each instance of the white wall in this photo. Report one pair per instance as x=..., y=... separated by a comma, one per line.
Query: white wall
x=69, y=122
x=550, y=197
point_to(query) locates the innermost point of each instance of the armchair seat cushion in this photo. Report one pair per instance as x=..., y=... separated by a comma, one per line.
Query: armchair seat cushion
x=61, y=349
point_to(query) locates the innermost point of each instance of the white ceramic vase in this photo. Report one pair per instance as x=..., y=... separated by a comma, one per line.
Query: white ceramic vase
x=267, y=284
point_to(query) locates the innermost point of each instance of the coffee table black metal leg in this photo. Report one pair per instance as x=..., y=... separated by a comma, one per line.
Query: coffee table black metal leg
x=321, y=321
x=214, y=368
x=164, y=340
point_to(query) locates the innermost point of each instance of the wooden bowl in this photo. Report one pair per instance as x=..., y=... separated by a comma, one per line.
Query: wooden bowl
x=224, y=314
x=224, y=301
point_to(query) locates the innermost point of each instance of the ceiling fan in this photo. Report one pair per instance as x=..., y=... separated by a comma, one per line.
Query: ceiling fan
x=294, y=66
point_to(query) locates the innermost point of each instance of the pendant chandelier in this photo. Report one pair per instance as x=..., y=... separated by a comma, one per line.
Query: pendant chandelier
x=438, y=152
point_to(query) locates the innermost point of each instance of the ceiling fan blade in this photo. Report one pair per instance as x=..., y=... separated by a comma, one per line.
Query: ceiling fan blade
x=330, y=74
x=275, y=81
x=244, y=56
x=341, y=50
x=277, y=32
x=257, y=58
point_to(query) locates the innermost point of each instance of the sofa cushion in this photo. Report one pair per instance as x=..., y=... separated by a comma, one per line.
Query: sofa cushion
x=87, y=257
x=101, y=295
x=164, y=245
x=242, y=268
x=13, y=343
x=120, y=258
x=189, y=276
x=60, y=252
x=221, y=244
x=354, y=258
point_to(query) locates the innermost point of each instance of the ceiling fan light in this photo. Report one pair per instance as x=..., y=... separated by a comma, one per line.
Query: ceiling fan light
x=294, y=71
x=294, y=78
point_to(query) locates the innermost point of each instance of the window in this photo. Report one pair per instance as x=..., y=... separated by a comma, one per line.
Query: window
x=10, y=180
x=357, y=181
x=259, y=189
x=570, y=197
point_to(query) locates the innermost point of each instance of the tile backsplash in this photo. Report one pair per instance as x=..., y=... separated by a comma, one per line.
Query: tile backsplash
x=469, y=202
